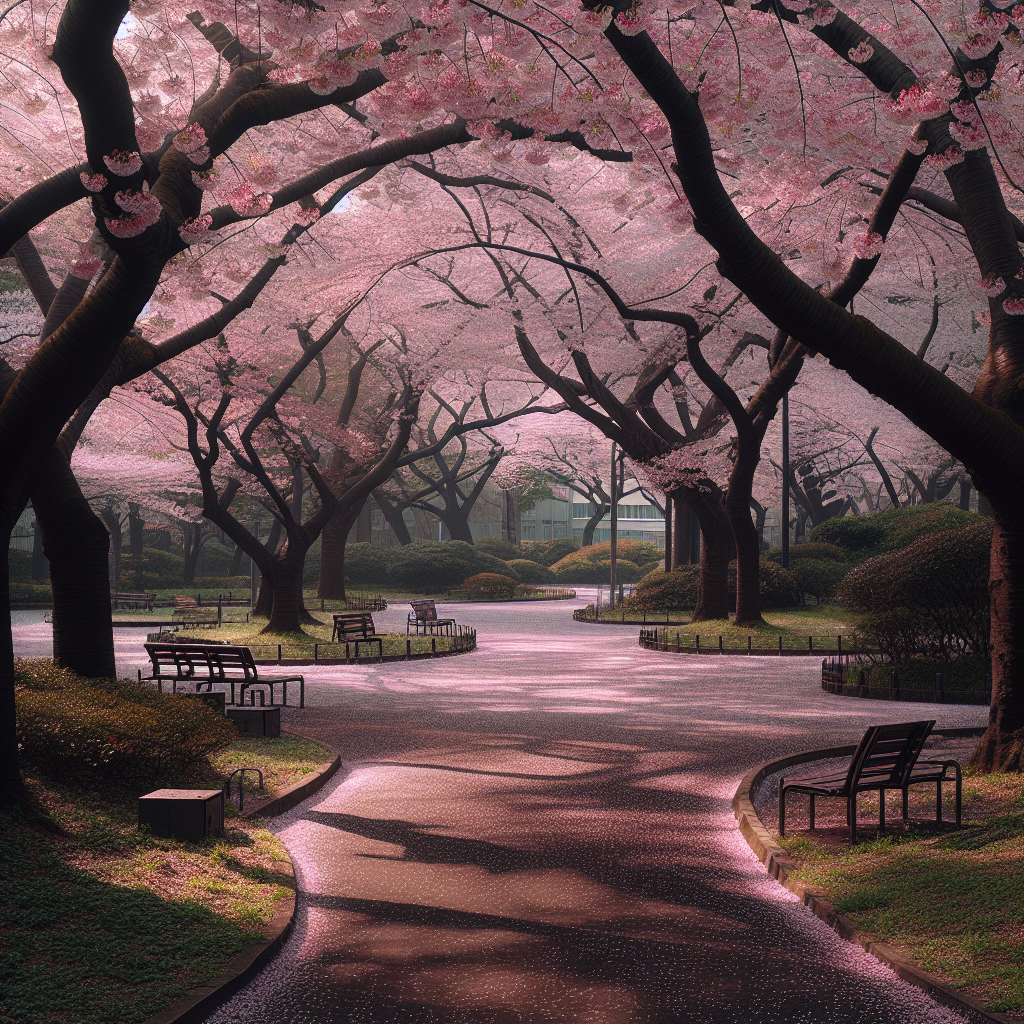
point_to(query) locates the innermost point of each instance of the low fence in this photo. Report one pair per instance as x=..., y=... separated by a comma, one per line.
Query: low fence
x=834, y=679
x=461, y=641
x=363, y=604
x=676, y=641
x=598, y=614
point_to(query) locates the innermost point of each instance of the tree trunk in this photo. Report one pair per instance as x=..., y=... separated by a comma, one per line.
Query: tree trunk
x=136, y=524
x=715, y=531
x=236, y=561
x=192, y=542
x=394, y=517
x=113, y=524
x=965, y=494
x=288, y=612
x=40, y=568
x=76, y=543
x=332, y=552
x=1002, y=746
x=456, y=522
x=12, y=786
x=592, y=524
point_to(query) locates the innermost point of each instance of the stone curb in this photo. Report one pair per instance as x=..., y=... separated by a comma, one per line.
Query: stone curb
x=779, y=865
x=197, y=1004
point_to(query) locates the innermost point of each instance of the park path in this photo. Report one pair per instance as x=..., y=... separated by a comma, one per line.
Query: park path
x=540, y=833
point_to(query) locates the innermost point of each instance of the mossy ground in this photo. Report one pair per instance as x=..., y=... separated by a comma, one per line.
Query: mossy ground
x=953, y=901
x=103, y=924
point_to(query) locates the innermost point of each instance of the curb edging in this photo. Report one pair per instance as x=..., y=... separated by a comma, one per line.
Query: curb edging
x=779, y=865
x=196, y=1004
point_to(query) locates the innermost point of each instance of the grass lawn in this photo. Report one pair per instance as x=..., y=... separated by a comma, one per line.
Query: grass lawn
x=794, y=625
x=296, y=645
x=952, y=901
x=103, y=924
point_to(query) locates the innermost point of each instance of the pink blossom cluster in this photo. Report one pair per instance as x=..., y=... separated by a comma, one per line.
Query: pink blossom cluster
x=195, y=229
x=205, y=180
x=142, y=210
x=93, y=182
x=123, y=164
x=868, y=246
x=86, y=262
x=916, y=104
x=248, y=201
x=191, y=141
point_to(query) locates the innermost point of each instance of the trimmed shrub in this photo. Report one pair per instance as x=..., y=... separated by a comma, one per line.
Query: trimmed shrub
x=662, y=591
x=819, y=577
x=635, y=551
x=531, y=572
x=678, y=589
x=430, y=565
x=651, y=567
x=865, y=536
x=491, y=583
x=813, y=550
x=31, y=593
x=19, y=566
x=155, y=570
x=547, y=552
x=500, y=548
x=931, y=597
x=595, y=571
x=366, y=564
x=222, y=582
x=112, y=730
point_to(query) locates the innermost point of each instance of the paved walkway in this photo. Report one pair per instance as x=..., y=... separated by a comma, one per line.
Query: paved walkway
x=540, y=833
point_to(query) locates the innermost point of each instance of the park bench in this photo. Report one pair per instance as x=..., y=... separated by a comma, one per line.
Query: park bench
x=423, y=619
x=205, y=665
x=886, y=758
x=356, y=627
x=196, y=617
x=136, y=601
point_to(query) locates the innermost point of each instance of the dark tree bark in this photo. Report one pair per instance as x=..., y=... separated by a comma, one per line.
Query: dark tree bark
x=392, y=512
x=592, y=524
x=112, y=522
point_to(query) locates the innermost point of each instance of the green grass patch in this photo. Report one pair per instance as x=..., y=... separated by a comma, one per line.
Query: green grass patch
x=794, y=626
x=103, y=924
x=300, y=645
x=954, y=902
x=283, y=760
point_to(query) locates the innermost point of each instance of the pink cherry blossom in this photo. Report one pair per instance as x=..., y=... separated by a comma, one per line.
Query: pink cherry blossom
x=195, y=229
x=868, y=246
x=248, y=201
x=1014, y=306
x=862, y=52
x=205, y=180
x=190, y=139
x=123, y=164
x=93, y=182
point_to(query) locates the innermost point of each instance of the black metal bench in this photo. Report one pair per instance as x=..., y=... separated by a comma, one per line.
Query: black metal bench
x=135, y=601
x=196, y=617
x=886, y=758
x=358, y=628
x=423, y=619
x=205, y=665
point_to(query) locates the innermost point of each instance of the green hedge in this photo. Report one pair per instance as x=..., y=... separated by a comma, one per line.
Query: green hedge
x=547, y=552
x=499, y=548
x=425, y=565
x=31, y=593
x=863, y=537
x=532, y=572
x=661, y=591
x=930, y=598
x=222, y=582
x=112, y=730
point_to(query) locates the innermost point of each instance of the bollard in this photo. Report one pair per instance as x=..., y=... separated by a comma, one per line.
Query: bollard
x=749, y=640
x=894, y=684
x=316, y=653
x=720, y=647
x=698, y=643
x=780, y=643
x=810, y=644
x=839, y=643
x=939, y=687
x=408, y=647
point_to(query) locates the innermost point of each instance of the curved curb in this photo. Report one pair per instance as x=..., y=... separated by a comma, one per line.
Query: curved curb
x=779, y=865
x=197, y=1003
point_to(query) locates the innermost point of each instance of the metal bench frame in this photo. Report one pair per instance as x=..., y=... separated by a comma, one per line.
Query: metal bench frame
x=203, y=665
x=423, y=619
x=132, y=601
x=886, y=758
x=356, y=627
